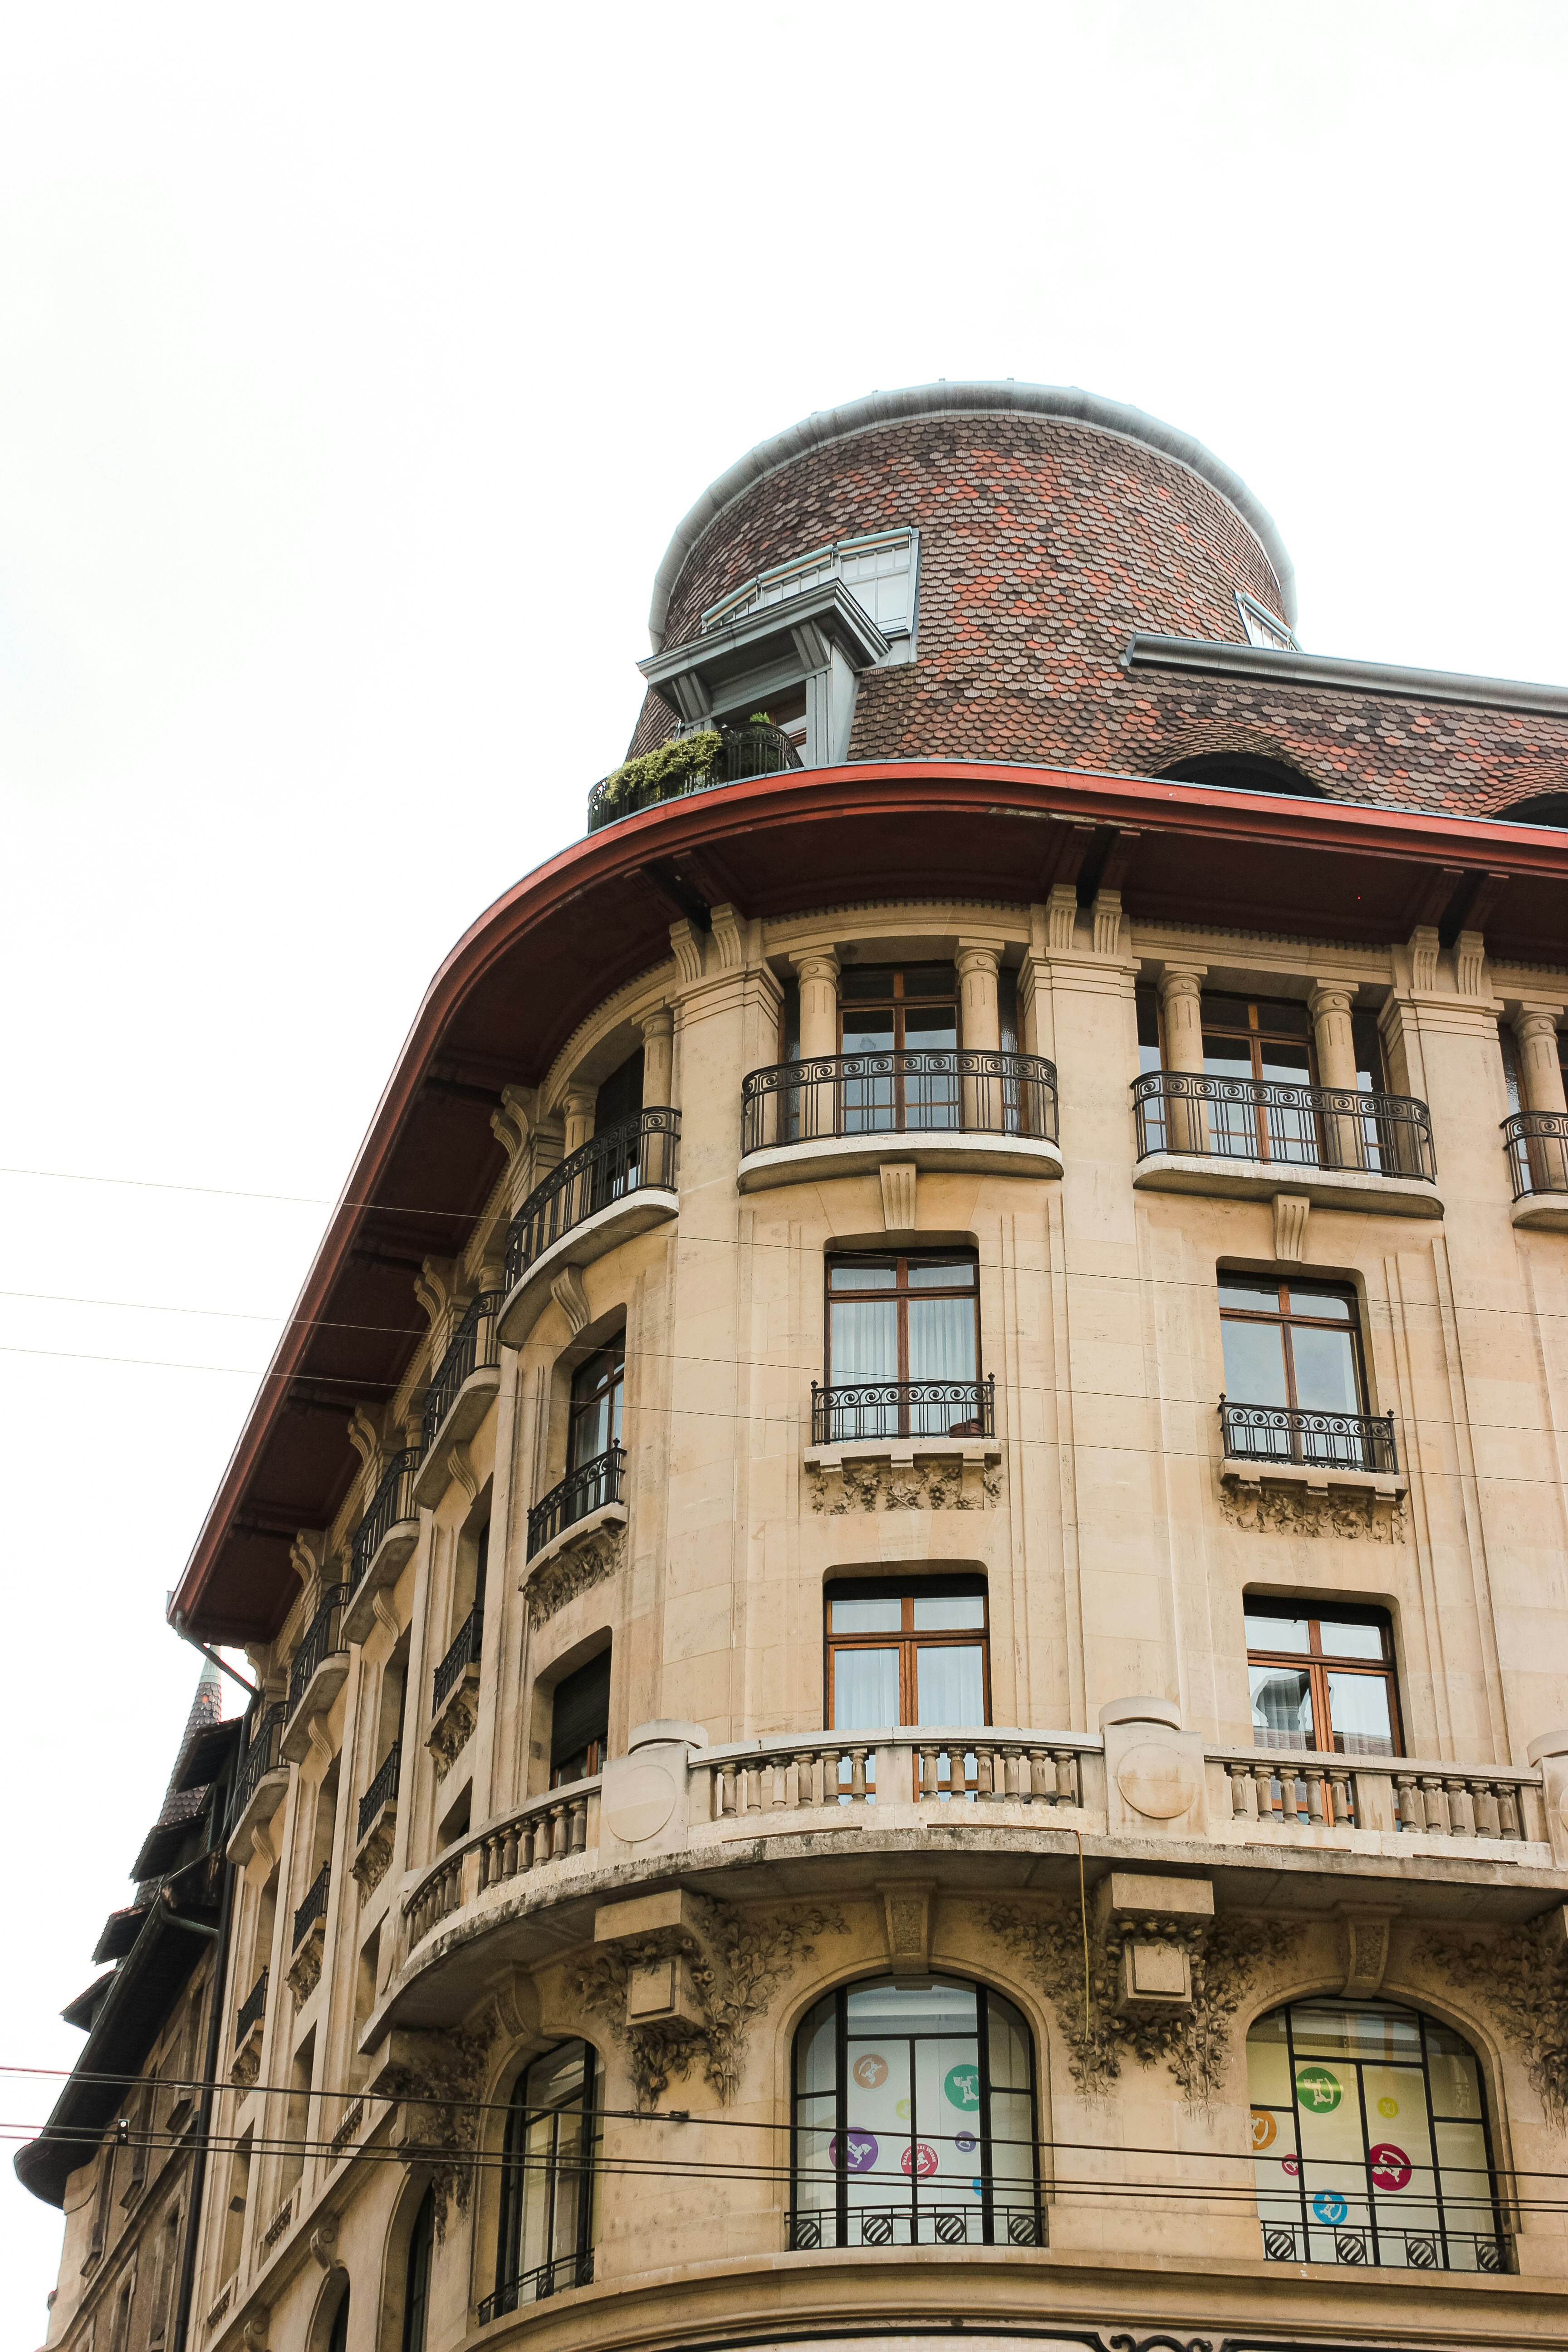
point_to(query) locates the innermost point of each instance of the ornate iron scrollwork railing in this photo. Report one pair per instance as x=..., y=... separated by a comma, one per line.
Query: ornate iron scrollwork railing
x=1333, y=1128
x=634, y=1154
x=391, y=1501
x=321, y=1637
x=585, y=1490
x=1383, y=2244
x=383, y=1789
x=533, y=2286
x=475, y=1347
x=314, y=1907
x=867, y=1409
x=1283, y=1433
x=262, y=1755
x=463, y=1651
x=1536, y=1142
x=943, y=1090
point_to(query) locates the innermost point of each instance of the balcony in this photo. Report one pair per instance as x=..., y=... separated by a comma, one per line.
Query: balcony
x=591, y=1493
x=309, y=1937
x=1297, y=1791
x=620, y=1183
x=460, y=1393
x=1248, y=1139
x=317, y=1673
x=452, y=1711
x=248, y=2030
x=383, y=1543
x=936, y=1438
x=374, y=1822
x=548, y=1829
x=260, y=1784
x=381, y=1794
x=976, y=1112
x=1536, y=1142
x=691, y=763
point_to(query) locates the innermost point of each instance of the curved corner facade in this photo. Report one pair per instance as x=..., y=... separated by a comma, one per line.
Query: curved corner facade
x=933, y=1699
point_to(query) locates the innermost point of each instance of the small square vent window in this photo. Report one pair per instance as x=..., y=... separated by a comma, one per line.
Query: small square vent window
x=1264, y=627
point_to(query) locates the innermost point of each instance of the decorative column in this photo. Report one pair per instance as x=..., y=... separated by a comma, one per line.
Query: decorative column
x=1180, y=1006
x=1344, y=1140
x=980, y=1032
x=1540, y=1063
x=817, y=970
x=658, y=1059
x=580, y=1107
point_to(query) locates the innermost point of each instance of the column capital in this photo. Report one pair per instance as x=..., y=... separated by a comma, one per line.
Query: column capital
x=817, y=963
x=1182, y=978
x=658, y=1023
x=977, y=955
x=1330, y=996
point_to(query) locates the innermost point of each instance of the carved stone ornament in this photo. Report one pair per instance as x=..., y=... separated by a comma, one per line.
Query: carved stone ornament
x=1193, y=2037
x=439, y=2090
x=1289, y=1511
x=944, y=1482
x=576, y=1569
x=305, y=1968
x=248, y=2064
x=373, y=1859
x=452, y=1730
x=735, y=1964
x=1522, y=1975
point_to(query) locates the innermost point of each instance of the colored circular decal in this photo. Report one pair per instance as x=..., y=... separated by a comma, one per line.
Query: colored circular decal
x=1391, y=2167
x=964, y=2143
x=869, y=2071
x=978, y=2187
x=861, y=2151
x=1319, y=2091
x=1330, y=2206
x=962, y=2087
x=921, y=2158
x=1290, y=2163
x=902, y=2111
x=1264, y=2128
x=1388, y=2106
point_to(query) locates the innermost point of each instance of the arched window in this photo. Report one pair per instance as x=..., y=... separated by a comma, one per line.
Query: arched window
x=1370, y=2139
x=914, y=2119
x=416, y=2277
x=1244, y=771
x=337, y=2341
x=549, y=2189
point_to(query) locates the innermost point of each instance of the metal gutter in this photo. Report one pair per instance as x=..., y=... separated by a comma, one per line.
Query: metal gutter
x=1252, y=664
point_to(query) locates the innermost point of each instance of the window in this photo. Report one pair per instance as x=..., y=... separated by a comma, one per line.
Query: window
x=1370, y=2139
x=911, y=1654
x=914, y=2119
x=549, y=2186
x=903, y=1346
x=594, y=1423
x=1244, y=771
x=892, y=1015
x=416, y=2277
x=1322, y=1681
x=880, y=570
x=1264, y=627
x=1294, y=1390
x=338, y=2339
x=580, y=1723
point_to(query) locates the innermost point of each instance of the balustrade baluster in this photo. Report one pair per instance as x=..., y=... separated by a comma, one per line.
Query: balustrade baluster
x=981, y=1772
x=1412, y=1812
x=1461, y=1812
x=1508, y=1810
x=579, y=1824
x=1065, y=1761
x=1340, y=1804
x=1313, y=1776
x=726, y=1789
x=1436, y=1806
x=1484, y=1800
x=858, y=1775
x=929, y=1781
x=832, y=1762
x=1240, y=1779
x=1263, y=1785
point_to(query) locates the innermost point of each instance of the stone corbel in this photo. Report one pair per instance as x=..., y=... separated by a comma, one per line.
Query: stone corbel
x=323, y=2243
x=729, y=936
x=1061, y=917
x=686, y=941
x=1469, y=964
x=569, y=1295
x=1424, y=946
x=1365, y=1950
x=1158, y=1924
x=899, y=1178
x=365, y=1439
x=257, y=2332
x=435, y=1291
x=461, y=1471
x=1107, y=922
x=907, y=1907
x=1290, y=1226
x=308, y=1554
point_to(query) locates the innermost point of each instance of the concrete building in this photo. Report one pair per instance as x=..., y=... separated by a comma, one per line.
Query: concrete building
x=937, y=1698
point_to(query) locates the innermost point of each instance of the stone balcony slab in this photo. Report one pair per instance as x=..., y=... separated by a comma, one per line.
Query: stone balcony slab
x=1542, y=1213
x=315, y=1699
x=385, y=1565
x=932, y=1150
x=468, y=1408
x=1224, y=1179
x=258, y=1811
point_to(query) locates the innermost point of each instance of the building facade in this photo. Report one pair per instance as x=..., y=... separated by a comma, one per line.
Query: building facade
x=933, y=1701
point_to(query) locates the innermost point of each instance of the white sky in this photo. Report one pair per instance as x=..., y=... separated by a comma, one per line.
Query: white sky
x=355, y=365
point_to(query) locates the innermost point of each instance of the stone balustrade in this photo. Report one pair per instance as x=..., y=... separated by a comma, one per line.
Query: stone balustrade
x=1379, y=1793
x=922, y=1766
x=545, y=1830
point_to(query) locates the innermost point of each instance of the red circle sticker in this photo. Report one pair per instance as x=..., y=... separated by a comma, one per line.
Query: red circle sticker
x=1391, y=2167
x=1288, y=2164
x=1264, y=2128
x=922, y=2157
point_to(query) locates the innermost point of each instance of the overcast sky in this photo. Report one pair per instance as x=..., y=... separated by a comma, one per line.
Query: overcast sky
x=355, y=366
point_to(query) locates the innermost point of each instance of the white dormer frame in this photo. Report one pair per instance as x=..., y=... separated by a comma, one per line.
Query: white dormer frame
x=821, y=637
x=879, y=568
x=1263, y=628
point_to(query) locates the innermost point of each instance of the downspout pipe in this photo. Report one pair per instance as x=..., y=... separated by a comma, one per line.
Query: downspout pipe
x=204, y=2121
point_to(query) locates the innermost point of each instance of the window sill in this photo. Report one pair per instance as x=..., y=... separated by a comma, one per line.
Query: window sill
x=1260, y=1179
x=931, y=1150
x=1314, y=1477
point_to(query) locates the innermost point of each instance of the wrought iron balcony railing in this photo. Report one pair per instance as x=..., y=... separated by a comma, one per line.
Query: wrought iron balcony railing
x=262, y=1755
x=321, y=1637
x=1005, y=2225
x=383, y=1789
x=750, y=750
x=867, y=1409
x=1292, y=1127
x=391, y=1501
x=634, y=1154
x=475, y=1347
x=1379, y=2243
x=1536, y=1142
x=582, y=1490
x=1333, y=1441
x=463, y=1651
x=314, y=1907
x=251, y=2009
x=546, y=2279
x=943, y=1090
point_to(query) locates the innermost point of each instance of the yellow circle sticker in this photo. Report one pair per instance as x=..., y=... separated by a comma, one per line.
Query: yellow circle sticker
x=1388, y=2106
x=902, y=2111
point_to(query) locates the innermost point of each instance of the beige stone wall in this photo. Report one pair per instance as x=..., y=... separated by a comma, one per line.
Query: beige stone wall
x=1116, y=1561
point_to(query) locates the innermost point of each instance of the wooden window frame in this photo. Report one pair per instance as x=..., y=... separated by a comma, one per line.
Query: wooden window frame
x=898, y=999
x=577, y=1405
x=1287, y=1317
x=1318, y=1663
x=901, y=1294
x=907, y=1641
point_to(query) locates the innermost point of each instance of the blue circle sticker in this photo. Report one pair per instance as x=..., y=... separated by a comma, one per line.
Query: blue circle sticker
x=1330, y=2206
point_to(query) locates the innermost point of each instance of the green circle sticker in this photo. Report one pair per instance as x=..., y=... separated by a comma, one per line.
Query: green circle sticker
x=962, y=2087
x=1318, y=2091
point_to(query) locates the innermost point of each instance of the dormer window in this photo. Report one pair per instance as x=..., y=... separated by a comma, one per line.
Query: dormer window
x=880, y=570
x=1264, y=627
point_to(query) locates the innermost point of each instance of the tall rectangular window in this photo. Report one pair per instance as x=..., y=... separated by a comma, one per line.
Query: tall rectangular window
x=894, y=1020
x=1322, y=1681
x=1289, y=1343
x=595, y=1408
x=580, y=1723
x=903, y=1346
x=908, y=1654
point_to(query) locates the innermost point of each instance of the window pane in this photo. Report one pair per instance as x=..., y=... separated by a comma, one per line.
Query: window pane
x=1224, y=1012
x=930, y=980
x=860, y=981
x=1258, y=1297
x=865, y=1341
x=1226, y=1057
x=1284, y=1020
x=950, y=1685
x=867, y=1031
x=864, y=1689
x=1287, y=1064
x=1278, y=1634
x=930, y=1028
x=1281, y=1706
x=1325, y=1370
x=878, y=1615
x=1254, y=1362
x=862, y=1274
x=940, y=1274
x=1337, y=1640
x=941, y=1340
x=955, y=1613
x=1321, y=1305
x=1359, y=1715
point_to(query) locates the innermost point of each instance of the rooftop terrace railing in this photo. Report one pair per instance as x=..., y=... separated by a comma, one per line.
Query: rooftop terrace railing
x=1332, y=1128
x=742, y=752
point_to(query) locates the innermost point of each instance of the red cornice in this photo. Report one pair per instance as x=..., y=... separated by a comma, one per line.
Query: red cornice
x=883, y=789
